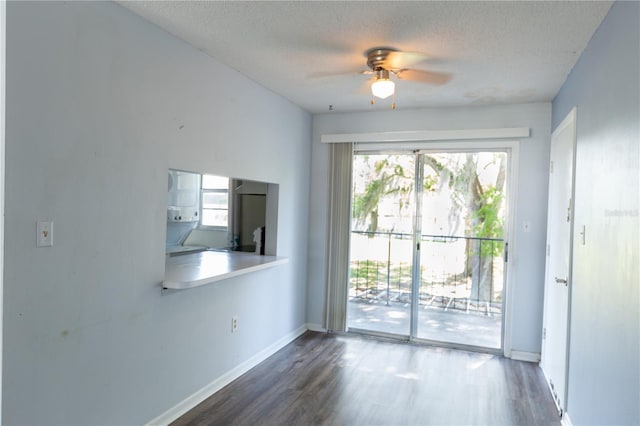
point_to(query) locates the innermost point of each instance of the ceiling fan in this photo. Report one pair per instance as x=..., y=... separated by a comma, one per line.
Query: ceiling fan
x=384, y=61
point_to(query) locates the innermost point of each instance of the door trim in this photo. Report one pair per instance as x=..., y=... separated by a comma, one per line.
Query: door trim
x=512, y=147
x=3, y=63
x=417, y=237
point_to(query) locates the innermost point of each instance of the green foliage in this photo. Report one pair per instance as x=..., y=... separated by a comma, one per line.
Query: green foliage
x=489, y=223
x=430, y=183
x=365, y=203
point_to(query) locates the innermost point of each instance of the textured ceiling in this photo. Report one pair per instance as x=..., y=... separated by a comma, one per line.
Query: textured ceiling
x=310, y=51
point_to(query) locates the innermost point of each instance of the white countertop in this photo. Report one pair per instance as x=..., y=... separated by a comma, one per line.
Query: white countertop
x=193, y=270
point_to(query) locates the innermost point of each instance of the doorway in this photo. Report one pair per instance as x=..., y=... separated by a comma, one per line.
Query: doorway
x=427, y=256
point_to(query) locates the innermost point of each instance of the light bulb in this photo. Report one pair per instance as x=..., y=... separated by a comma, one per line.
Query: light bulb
x=383, y=88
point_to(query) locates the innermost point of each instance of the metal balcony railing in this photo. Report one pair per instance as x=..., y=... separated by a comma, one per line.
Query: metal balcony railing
x=461, y=273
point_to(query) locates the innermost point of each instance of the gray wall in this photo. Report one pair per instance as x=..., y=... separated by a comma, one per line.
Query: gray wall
x=528, y=255
x=100, y=104
x=604, y=363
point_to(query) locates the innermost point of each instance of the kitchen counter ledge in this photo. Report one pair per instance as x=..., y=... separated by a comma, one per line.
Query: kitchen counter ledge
x=196, y=269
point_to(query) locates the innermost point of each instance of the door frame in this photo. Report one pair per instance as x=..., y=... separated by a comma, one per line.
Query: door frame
x=394, y=141
x=570, y=121
x=3, y=64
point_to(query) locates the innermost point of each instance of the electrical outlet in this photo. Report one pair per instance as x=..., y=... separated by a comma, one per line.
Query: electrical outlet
x=234, y=323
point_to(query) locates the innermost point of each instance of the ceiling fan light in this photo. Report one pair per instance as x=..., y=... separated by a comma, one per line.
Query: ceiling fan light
x=383, y=88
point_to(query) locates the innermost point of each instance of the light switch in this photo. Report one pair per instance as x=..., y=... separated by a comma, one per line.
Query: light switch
x=526, y=226
x=45, y=234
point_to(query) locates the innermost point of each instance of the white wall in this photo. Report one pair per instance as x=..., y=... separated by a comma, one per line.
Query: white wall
x=100, y=104
x=604, y=362
x=528, y=255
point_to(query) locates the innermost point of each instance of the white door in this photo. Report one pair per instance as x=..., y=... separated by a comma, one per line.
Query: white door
x=558, y=268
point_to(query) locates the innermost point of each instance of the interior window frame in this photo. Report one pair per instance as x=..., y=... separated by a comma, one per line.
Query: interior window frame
x=204, y=191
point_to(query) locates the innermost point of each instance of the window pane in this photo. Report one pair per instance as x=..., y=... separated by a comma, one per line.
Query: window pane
x=215, y=200
x=215, y=182
x=215, y=218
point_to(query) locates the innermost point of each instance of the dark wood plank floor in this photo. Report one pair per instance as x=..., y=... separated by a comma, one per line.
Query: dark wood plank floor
x=348, y=380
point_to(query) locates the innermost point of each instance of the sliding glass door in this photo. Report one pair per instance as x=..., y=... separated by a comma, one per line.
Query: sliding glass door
x=383, y=209
x=427, y=246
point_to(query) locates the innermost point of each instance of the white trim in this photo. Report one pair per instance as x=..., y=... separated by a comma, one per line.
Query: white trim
x=510, y=238
x=440, y=146
x=524, y=356
x=569, y=120
x=512, y=147
x=428, y=135
x=191, y=401
x=3, y=64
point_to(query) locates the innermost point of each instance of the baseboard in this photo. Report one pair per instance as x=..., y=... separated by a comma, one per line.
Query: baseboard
x=316, y=327
x=525, y=356
x=566, y=421
x=191, y=401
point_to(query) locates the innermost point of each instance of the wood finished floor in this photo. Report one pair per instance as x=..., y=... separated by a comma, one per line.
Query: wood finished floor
x=348, y=380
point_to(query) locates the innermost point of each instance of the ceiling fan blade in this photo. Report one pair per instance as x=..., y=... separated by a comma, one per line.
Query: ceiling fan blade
x=401, y=60
x=421, y=76
x=338, y=73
